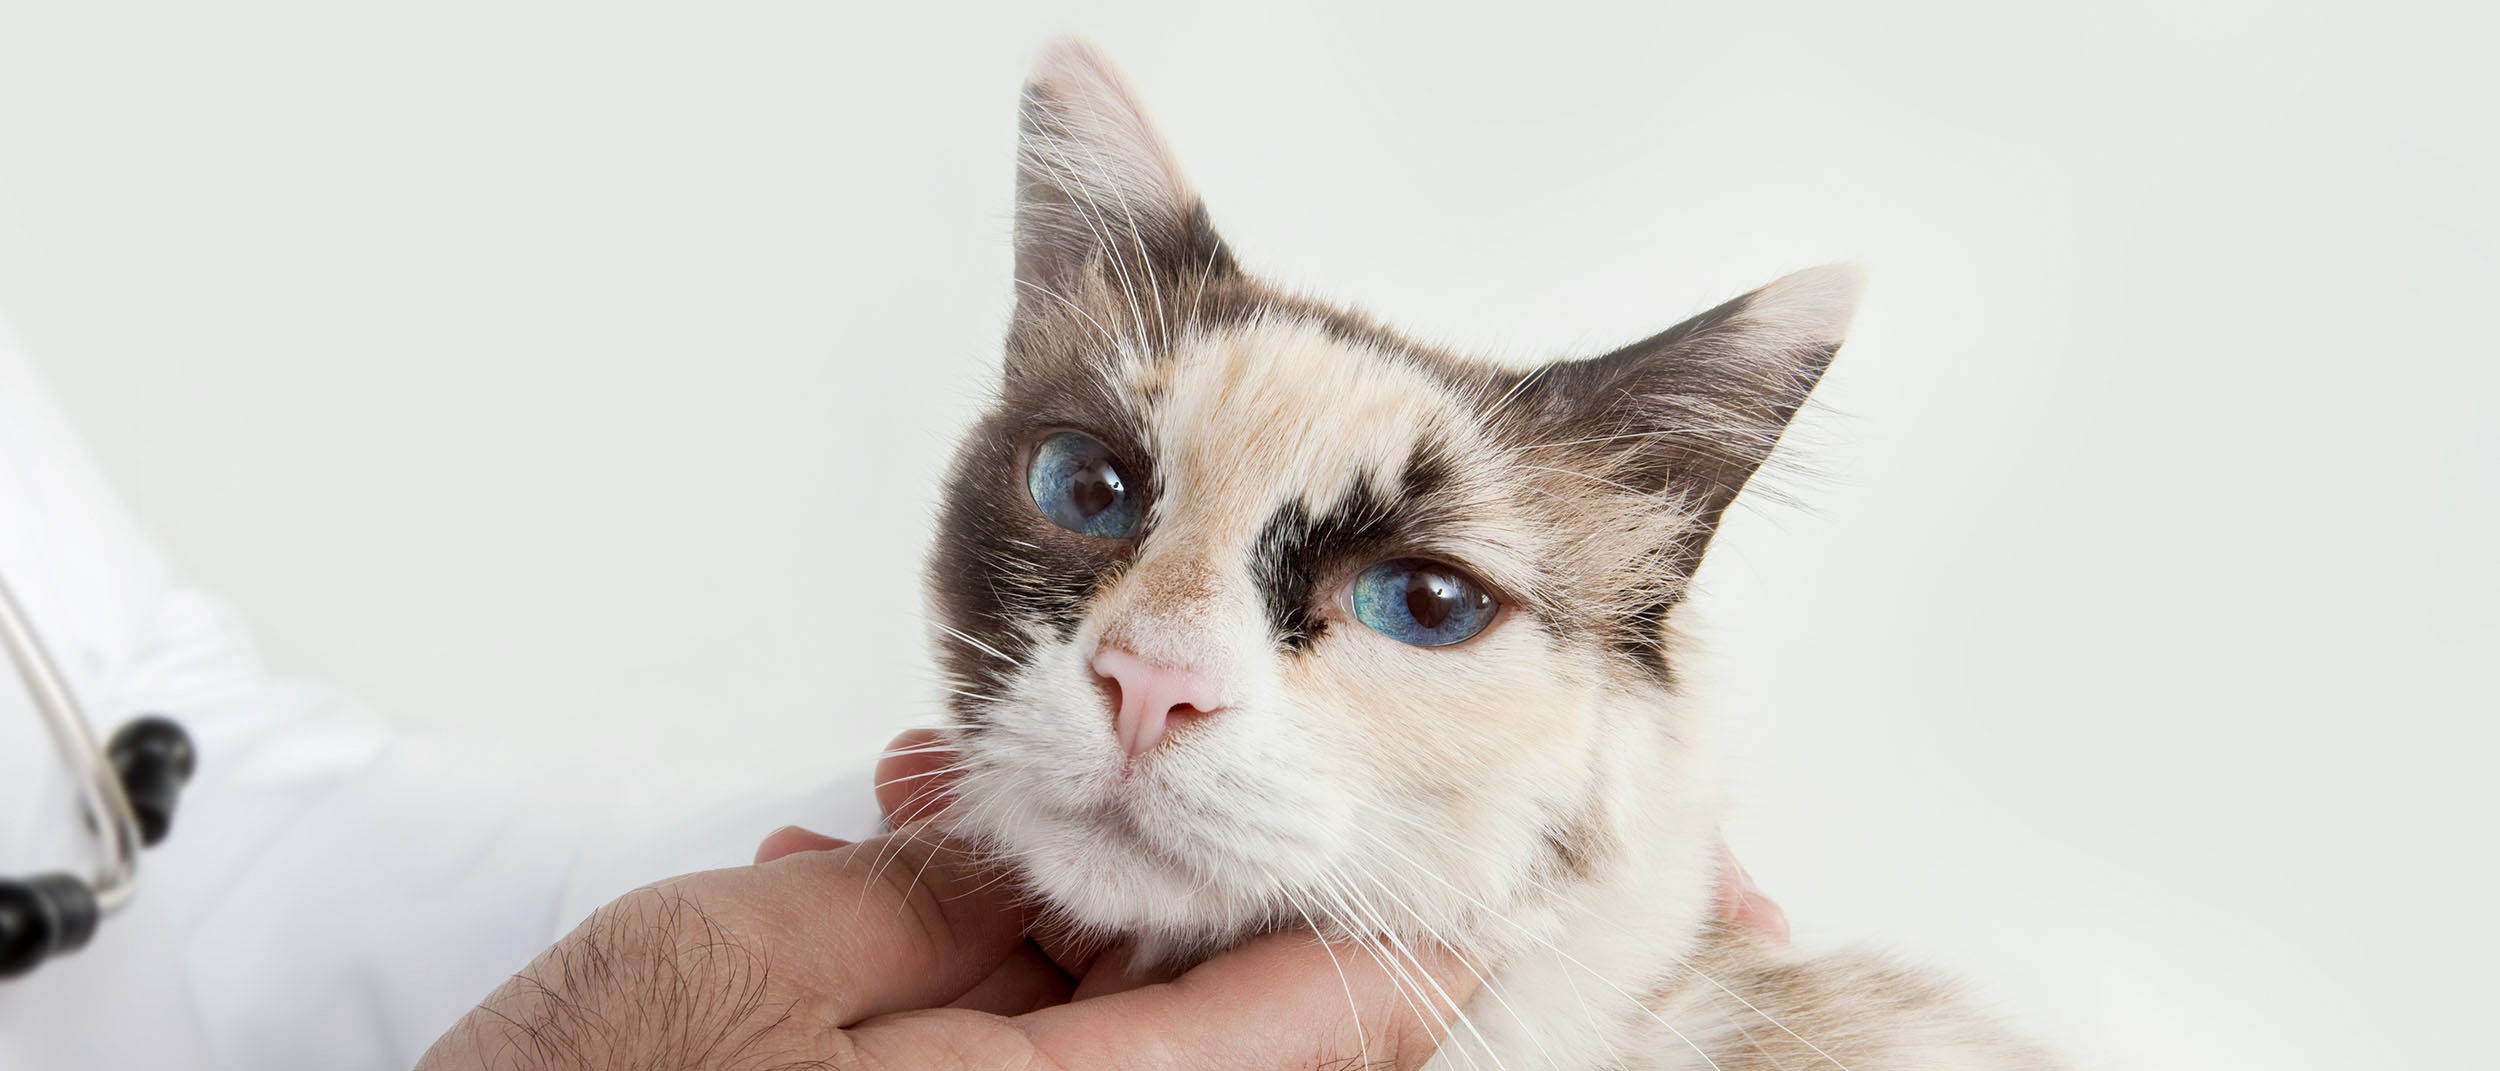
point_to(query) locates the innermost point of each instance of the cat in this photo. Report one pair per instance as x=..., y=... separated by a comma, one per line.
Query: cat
x=1259, y=615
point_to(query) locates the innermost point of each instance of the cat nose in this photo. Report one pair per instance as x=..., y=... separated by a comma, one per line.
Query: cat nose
x=1149, y=697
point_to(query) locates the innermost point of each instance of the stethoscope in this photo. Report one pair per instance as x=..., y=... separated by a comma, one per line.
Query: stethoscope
x=129, y=787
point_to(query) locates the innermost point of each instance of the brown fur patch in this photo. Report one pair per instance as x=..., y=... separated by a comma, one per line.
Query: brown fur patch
x=1580, y=848
x=1850, y=1009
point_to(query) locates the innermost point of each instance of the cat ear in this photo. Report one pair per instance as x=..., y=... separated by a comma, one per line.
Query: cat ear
x=1690, y=413
x=1098, y=196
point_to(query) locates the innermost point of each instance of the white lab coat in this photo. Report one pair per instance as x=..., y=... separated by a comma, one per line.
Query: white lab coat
x=334, y=893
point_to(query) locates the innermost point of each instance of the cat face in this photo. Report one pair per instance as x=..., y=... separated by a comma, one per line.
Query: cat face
x=1259, y=614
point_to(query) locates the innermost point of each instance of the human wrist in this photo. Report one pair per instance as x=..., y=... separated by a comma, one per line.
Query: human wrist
x=652, y=979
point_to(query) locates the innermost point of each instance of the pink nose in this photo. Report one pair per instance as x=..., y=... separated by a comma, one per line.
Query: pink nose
x=1149, y=697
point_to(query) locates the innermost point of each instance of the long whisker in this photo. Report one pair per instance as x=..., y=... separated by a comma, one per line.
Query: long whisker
x=975, y=642
x=915, y=777
x=1390, y=934
x=1362, y=1040
x=1593, y=972
x=1384, y=845
x=1559, y=898
x=1530, y=1029
x=1399, y=976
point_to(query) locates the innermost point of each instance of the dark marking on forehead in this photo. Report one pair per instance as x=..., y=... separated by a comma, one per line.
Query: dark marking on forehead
x=1296, y=547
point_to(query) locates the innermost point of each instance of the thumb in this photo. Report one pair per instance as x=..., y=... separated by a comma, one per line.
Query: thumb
x=1284, y=1000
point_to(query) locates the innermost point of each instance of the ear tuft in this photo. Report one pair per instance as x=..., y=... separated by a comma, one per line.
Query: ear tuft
x=1097, y=189
x=1086, y=124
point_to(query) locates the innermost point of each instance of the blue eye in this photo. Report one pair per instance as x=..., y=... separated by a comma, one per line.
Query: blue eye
x=1425, y=603
x=1081, y=487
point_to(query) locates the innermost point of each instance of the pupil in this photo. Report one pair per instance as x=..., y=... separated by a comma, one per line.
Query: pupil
x=1095, y=488
x=1429, y=598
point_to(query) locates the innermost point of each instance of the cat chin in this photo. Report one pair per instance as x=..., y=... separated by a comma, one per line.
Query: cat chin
x=1106, y=881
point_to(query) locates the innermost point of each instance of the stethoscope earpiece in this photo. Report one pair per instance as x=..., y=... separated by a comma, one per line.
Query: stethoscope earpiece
x=153, y=757
x=51, y=915
x=44, y=916
x=129, y=788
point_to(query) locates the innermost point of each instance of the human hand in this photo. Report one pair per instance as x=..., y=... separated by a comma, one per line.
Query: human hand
x=906, y=951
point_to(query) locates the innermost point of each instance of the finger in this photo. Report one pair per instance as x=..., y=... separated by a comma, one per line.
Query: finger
x=912, y=776
x=945, y=1039
x=1743, y=904
x=901, y=921
x=1117, y=970
x=791, y=839
x=1284, y=1000
x=1025, y=981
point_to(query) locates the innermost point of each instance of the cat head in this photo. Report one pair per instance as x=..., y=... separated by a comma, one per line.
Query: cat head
x=1257, y=613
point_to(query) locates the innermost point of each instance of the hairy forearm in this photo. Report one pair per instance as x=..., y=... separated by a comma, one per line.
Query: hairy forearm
x=650, y=981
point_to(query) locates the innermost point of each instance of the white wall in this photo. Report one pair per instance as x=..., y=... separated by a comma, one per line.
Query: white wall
x=578, y=379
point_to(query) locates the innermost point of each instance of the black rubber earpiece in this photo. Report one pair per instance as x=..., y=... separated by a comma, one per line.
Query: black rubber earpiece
x=52, y=915
x=42, y=917
x=154, y=759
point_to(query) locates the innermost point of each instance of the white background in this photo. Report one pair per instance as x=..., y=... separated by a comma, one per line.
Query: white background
x=578, y=381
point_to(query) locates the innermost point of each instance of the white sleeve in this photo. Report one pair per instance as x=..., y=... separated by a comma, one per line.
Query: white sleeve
x=333, y=894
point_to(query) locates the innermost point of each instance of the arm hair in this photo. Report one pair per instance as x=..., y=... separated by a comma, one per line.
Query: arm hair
x=649, y=981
